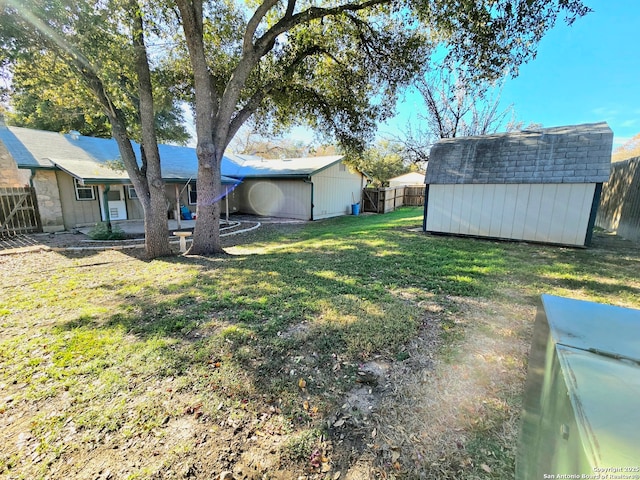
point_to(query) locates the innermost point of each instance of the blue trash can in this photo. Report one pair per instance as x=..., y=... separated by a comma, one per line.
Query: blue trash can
x=355, y=209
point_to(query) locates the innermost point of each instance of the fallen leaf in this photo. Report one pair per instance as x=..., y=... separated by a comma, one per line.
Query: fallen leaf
x=305, y=405
x=325, y=467
x=374, y=433
x=339, y=423
x=302, y=383
x=397, y=466
x=486, y=468
x=336, y=475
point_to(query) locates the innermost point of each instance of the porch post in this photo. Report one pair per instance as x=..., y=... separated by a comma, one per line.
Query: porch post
x=177, y=211
x=226, y=202
x=105, y=201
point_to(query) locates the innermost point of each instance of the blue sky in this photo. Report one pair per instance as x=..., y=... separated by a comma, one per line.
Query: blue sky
x=585, y=73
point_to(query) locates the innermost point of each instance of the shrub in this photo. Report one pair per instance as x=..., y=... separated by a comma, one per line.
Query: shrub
x=101, y=232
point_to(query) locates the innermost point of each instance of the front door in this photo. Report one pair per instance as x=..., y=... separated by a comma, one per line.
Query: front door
x=115, y=203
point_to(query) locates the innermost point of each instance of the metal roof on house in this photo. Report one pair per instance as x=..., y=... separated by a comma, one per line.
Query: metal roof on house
x=250, y=166
x=569, y=154
x=87, y=158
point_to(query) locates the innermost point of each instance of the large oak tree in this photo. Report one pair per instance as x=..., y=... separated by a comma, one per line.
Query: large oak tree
x=336, y=65
x=103, y=43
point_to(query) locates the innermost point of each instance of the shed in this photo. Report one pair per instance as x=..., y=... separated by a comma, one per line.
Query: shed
x=411, y=178
x=536, y=185
x=309, y=188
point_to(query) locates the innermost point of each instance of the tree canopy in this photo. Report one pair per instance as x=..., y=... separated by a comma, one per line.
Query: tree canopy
x=46, y=94
x=381, y=162
x=335, y=66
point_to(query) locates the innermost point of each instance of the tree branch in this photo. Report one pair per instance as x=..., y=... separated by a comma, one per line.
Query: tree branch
x=263, y=45
x=313, y=13
x=207, y=105
x=254, y=21
x=256, y=99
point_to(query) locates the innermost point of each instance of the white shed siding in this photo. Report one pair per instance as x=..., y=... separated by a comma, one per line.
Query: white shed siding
x=277, y=198
x=554, y=213
x=335, y=190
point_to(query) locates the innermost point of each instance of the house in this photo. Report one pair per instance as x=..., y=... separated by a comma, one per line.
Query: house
x=79, y=180
x=536, y=185
x=411, y=178
x=304, y=188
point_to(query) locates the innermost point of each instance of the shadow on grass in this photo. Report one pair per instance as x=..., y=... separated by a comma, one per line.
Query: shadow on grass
x=312, y=306
x=245, y=329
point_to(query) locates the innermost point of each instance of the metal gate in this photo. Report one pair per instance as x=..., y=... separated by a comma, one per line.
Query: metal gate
x=18, y=211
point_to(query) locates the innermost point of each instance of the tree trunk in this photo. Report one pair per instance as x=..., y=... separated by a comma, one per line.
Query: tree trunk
x=155, y=209
x=156, y=232
x=206, y=234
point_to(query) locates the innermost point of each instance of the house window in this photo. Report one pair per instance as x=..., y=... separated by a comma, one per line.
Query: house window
x=193, y=194
x=132, y=191
x=84, y=192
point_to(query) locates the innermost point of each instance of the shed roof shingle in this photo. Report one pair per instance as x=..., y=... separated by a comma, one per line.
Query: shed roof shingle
x=570, y=154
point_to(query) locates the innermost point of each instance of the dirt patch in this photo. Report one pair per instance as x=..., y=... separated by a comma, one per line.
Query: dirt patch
x=425, y=424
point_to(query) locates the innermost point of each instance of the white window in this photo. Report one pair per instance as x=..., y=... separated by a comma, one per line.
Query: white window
x=193, y=194
x=84, y=192
x=132, y=191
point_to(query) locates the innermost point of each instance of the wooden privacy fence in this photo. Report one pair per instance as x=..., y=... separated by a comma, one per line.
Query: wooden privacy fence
x=619, y=209
x=384, y=200
x=18, y=211
x=414, y=195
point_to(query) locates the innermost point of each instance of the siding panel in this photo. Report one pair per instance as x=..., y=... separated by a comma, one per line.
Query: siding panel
x=335, y=189
x=497, y=208
x=555, y=213
x=467, y=212
x=547, y=207
x=508, y=211
x=277, y=198
x=76, y=212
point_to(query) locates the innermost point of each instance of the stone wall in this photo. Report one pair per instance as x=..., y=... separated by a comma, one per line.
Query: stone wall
x=49, y=205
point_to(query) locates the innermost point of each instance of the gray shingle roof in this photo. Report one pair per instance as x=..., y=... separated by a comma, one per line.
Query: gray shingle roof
x=571, y=154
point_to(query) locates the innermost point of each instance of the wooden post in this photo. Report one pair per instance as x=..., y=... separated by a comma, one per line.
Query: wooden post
x=226, y=202
x=177, y=214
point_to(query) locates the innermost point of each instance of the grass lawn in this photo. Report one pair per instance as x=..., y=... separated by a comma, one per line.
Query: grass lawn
x=351, y=348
